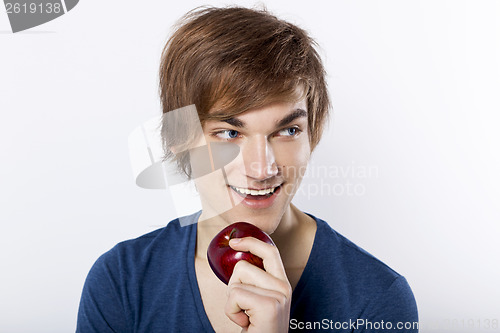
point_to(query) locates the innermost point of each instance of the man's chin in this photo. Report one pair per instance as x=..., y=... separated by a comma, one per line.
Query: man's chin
x=267, y=220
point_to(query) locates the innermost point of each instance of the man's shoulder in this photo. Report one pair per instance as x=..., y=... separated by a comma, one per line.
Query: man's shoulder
x=361, y=285
x=350, y=261
x=161, y=244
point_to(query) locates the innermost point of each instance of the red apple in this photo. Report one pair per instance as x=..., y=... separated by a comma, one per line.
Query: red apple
x=222, y=257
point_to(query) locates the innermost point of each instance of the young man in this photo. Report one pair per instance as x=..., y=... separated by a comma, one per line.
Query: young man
x=258, y=84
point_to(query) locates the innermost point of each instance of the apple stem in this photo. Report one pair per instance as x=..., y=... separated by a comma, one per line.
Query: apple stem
x=232, y=232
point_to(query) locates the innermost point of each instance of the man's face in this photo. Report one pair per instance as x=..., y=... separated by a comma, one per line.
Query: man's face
x=261, y=182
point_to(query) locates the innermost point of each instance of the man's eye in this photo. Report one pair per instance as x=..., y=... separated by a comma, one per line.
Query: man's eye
x=291, y=131
x=227, y=134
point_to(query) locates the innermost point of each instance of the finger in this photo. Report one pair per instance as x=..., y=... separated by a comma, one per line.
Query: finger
x=241, y=300
x=236, y=287
x=236, y=304
x=267, y=252
x=240, y=318
x=248, y=274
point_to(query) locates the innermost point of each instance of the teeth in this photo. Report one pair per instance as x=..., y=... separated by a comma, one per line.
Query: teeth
x=253, y=192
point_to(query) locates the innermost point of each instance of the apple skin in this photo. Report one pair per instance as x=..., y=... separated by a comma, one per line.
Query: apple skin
x=222, y=258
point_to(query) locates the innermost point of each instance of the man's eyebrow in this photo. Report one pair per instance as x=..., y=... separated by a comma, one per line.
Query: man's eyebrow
x=234, y=122
x=298, y=113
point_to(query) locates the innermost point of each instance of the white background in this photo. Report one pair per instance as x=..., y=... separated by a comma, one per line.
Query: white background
x=415, y=87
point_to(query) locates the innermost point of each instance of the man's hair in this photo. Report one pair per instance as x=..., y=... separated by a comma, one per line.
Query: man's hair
x=230, y=60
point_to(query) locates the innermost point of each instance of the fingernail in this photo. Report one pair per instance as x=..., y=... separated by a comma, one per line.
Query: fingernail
x=234, y=240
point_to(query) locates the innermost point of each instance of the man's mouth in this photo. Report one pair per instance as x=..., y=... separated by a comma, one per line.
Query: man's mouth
x=253, y=193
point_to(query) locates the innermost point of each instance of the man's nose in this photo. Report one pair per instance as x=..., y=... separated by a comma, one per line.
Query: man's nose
x=260, y=163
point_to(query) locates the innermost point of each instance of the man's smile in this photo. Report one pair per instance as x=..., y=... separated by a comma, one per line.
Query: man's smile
x=256, y=198
x=254, y=192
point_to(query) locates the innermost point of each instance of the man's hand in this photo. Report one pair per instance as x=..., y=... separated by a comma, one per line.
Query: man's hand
x=259, y=301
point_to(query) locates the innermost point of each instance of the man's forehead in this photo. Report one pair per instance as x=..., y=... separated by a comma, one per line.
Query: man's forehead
x=230, y=106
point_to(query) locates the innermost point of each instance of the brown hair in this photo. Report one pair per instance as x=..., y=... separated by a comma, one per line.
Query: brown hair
x=227, y=61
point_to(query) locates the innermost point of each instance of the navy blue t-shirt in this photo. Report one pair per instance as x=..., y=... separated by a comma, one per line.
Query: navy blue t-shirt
x=149, y=284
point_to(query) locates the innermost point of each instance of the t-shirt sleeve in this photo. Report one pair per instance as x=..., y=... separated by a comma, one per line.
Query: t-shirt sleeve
x=101, y=305
x=394, y=310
